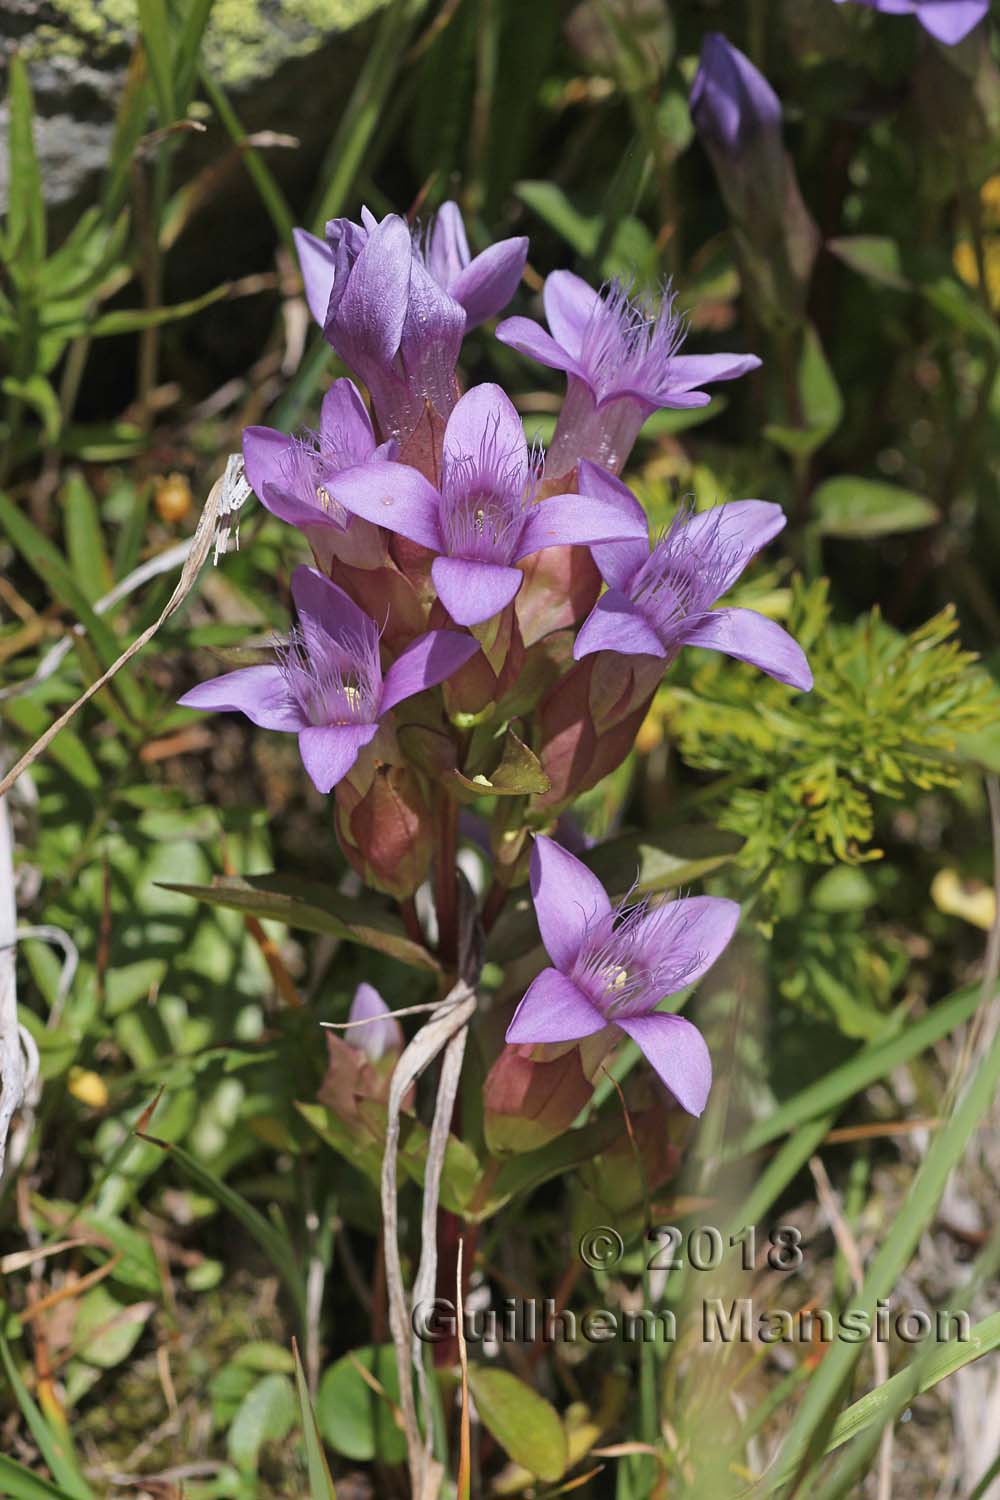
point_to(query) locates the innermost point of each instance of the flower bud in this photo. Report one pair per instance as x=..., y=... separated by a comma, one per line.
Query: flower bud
x=639, y=1164
x=386, y=831
x=738, y=117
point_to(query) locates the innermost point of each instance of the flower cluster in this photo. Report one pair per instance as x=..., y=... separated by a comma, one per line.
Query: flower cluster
x=482, y=617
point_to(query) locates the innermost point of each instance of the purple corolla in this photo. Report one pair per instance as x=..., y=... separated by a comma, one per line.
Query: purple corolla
x=661, y=599
x=290, y=475
x=327, y=684
x=395, y=309
x=381, y=1033
x=946, y=20
x=484, y=283
x=621, y=357
x=612, y=967
x=483, y=518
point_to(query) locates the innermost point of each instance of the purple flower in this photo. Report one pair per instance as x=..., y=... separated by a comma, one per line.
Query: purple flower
x=662, y=599
x=483, y=517
x=483, y=284
x=327, y=685
x=946, y=20
x=382, y=1033
x=385, y=315
x=613, y=966
x=620, y=353
x=732, y=104
x=290, y=475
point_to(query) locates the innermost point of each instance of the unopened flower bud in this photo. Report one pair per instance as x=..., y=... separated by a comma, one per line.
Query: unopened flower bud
x=529, y=1102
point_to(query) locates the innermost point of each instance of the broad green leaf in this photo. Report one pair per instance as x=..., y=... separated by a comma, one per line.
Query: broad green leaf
x=300, y=903
x=352, y=1417
x=523, y=1423
x=852, y=507
x=106, y=1331
x=265, y=1357
x=820, y=401
x=267, y=1414
x=26, y=205
x=320, y=1479
x=874, y=256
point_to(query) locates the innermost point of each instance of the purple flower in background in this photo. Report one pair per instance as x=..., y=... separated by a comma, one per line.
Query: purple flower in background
x=484, y=284
x=732, y=104
x=483, y=518
x=385, y=315
x=612, y=967
x=382, y=1033
x=327, y=685
x=290, y=475
x=946, y=20
x=620, y=354
x=662, y=599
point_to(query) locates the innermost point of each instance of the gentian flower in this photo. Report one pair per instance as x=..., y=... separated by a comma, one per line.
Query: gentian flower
x=327, y=684
x=382, y=1033
x=620, y=354
x=385, y=315
x=947, y=20
x=483, y=519
x=290, y=475
x=612, y=966
x=662, y=599
x=737, y=116
x=483, y=284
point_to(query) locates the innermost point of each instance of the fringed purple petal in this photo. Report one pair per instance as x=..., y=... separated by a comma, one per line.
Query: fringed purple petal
x=259, y=692
x=553, y=1010
x=618, y=560
x=531, y=339
x=329, y=752
x=569, y=901
x=473, y=592
x=736, y=532
x=447, y=248
x=394, y=496
x=688, y=371
x=615, y=624
x=570, y=307
x=750, y=637
x=577, y=521
x=345, y=425
x=324, y=610
x=485, y=426
x=695, y=929
x=264, y=455
x=676, y=1050
x=426, y=662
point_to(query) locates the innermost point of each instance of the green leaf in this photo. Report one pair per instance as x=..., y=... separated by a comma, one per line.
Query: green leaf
x=320, y=1479
x=267, y=1414
x=523, y=1423
x=852, y=507
x=26, y=205
x=820, y=400
x=154, y=27
x=134, y=319
x=37, y=393
x=265, y=1358
x=954, y=302
x=352, y=1417
x=84, y=539
x=106, y=1331
x=54, y=1443
x=300, y=903
x=518, y=774
x=20, y=1484
x=872, y=255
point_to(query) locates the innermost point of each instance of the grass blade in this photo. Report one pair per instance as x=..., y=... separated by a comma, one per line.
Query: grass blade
x=53, y=1445
x=320, y=1479
x=26, y=206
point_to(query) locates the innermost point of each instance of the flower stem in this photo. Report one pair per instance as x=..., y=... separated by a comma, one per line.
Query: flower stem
x=445, y=880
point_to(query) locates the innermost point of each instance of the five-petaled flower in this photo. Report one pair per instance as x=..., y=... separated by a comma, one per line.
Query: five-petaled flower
x=612, y=967
x=483, y=519
x=327, y=685
x=946, y=20
x=662, y=599
x=620, y=354
x=291, y=475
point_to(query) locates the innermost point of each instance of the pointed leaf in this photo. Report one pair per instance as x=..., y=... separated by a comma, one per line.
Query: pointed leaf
x=851, y=507
x=320, y=1479
x=523, y=1423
